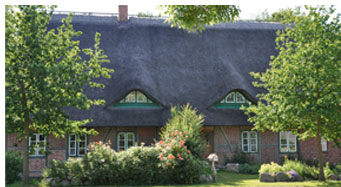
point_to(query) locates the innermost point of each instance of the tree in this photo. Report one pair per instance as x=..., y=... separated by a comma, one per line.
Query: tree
x=45, y=74
x=196, y=17
x=283, y=15
x=303, y=82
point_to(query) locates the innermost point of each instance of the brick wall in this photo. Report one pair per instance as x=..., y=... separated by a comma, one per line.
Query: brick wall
x=218, y=138
x=308, y=151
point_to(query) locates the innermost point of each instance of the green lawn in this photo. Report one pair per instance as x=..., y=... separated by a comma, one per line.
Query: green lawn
x=232, y=179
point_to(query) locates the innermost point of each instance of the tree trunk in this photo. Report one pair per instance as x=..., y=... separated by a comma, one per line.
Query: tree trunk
x=26, y=171
x=26, y=152
x=319, y=148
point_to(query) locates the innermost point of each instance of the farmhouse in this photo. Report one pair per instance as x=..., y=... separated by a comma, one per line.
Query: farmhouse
x=157, y=66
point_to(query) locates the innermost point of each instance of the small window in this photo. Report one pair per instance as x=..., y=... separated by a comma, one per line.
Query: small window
x=324, y=145
x=240, y=98
x=288, y=142
x=77, y=145
x=249, y=141
x=233, y=100
x=230, y=98
x=136, y=99
x=37, y=145
x=125, y=140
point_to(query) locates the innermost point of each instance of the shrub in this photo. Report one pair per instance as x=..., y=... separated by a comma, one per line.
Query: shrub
x=14, y=166
x=271, y=168
x=302, y=169
x=186, y=120
x=240, y=157
x=248, y=169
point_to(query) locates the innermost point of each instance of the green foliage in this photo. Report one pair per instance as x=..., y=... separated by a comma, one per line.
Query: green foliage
x=304, y=80
x=283, y=15
x=271, y=168
x=240, y=157
x=14, y=166
x=248, y=169
x=185, y=119
x=137, y=165
x=45, y=72
x=145, y=14
x=302, y=169
x=196, y=17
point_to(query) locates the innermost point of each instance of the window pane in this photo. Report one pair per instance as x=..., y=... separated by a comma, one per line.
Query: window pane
x=150, y=101
x=121, y=136
x=33, y=138
x=81, y=152
x=324, y=144
x=253, y=148
x=283, y=141
x=130, y=143
x=122, y=143
x=131, y=97
x=122, y=101
x=72, y=144
x=130, y=136
x=41, y=138
x=240, y=98
x=72, y=152
x=284, y=149
x=41, y=150
x=292, y=148
x=81, y=144
x=141, y=98
x=244, y=134
x=230, y=98
x=245, y=141
x=253, y=141
x=72, y=137
x=245, y=148
x=252, y=135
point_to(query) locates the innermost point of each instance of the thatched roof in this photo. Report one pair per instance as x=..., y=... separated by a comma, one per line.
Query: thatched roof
x=174, y=67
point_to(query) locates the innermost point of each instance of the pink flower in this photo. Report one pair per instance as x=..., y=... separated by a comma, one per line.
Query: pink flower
x=171, y=156
x=170, y=163
x=180, y=133
x=172, y=134
x=186, y=137
x=161, y=142
x=176, y=131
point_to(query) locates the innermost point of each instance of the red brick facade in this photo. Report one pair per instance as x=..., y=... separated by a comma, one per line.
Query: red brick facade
x=223, y=140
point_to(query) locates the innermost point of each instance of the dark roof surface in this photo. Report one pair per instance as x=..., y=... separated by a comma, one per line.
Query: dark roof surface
x=174, y=67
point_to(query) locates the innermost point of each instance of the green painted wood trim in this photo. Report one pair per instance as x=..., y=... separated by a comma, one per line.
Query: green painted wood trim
x=231, y=105
x=136, y=105
x=226, y=139
x=107, y=135
x=259, y=148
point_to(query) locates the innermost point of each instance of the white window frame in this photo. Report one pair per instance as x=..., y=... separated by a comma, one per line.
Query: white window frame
x=287, y=135
x=36, y=149
x=137, y=97
x=241, y=96
x=324, y=145
x=76, y=153
x=234, y=98
x=249, y=141
x=125, y=147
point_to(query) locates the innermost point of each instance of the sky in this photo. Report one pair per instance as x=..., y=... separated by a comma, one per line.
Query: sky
x=248, y=11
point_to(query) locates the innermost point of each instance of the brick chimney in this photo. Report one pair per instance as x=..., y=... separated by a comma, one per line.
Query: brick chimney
x=123, y=13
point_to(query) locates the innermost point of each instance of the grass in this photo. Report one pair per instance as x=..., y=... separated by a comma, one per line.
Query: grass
x=233, y=179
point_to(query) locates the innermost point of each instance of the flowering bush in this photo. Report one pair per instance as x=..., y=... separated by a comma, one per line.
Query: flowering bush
x=186, y=120
x=168, y=162
x=177, y=163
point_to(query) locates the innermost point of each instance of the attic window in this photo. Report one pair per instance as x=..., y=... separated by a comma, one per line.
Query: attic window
x=233, y=100
x=136, y=99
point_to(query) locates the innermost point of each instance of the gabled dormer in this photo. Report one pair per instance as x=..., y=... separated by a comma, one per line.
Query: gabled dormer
x=136, y=99
x=233, y=99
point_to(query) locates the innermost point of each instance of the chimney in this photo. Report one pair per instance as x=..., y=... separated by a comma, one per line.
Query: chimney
x=123, y=13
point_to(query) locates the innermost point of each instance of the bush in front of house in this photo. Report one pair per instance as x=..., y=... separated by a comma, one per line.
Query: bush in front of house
x=169, y=162
x=248, y=168
x=302, y=170
x=240, y=157
x=14, y=166
x=186, y=120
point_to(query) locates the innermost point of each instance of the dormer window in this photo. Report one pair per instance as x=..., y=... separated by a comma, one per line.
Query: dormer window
x=136, y=99
x=233, y=100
